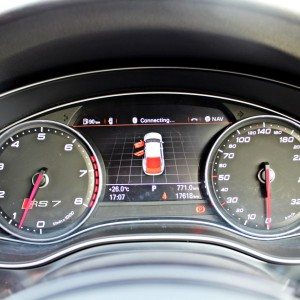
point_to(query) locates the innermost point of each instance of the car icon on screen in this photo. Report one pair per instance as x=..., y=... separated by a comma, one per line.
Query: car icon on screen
x=153, y=161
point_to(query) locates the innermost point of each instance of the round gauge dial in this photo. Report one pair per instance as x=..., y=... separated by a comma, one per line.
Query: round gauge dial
x=50, y=180
x=253, y=176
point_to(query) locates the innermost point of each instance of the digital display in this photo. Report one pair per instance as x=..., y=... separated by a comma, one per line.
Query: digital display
x=151, y=154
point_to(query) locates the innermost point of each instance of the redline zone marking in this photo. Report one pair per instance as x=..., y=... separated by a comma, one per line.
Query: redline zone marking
x=96, y=183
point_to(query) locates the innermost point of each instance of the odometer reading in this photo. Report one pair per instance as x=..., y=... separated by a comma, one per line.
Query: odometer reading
x=50, y=180
x=253, y=175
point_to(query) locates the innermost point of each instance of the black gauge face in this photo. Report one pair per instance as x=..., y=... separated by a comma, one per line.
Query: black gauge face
x=253, y=176
x=50, y=180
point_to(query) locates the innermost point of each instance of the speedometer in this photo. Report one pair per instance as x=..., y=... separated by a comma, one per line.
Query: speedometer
x=50, y=180
x=253, y=176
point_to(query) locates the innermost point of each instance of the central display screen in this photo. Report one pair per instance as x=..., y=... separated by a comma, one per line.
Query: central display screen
x=150, y=152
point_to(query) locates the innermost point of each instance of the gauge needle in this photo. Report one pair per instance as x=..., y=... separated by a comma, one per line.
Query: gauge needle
x=32, y=195
x=268, y=198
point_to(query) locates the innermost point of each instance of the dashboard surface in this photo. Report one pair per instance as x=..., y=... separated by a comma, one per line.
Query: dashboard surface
x=149, y=145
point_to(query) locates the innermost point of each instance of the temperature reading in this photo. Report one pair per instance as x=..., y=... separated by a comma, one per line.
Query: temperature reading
x=119, y=189
x=118, y=192
x=153, y=192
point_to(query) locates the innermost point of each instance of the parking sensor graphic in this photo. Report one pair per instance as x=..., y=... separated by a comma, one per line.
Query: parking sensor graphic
x=139, y=144
x=153, y=161
x=151, y=148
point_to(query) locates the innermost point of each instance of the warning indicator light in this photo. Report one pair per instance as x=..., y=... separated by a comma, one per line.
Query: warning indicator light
x=200, y=209
x=164, y=196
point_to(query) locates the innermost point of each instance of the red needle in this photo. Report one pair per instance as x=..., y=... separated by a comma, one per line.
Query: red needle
x=268, y=196
x=32, y=195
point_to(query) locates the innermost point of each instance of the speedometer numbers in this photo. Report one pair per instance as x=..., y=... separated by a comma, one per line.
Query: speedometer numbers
x=253, y=176
x=50, y=180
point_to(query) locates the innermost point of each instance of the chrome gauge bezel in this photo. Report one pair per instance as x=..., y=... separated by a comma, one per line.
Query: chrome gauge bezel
x=292, y=228
x=11, y=131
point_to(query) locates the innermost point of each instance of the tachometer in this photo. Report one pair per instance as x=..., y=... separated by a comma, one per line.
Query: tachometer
x=50, y=180
x=253, y=176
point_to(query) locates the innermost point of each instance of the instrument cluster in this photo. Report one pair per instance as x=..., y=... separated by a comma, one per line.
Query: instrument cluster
x=147, y=157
